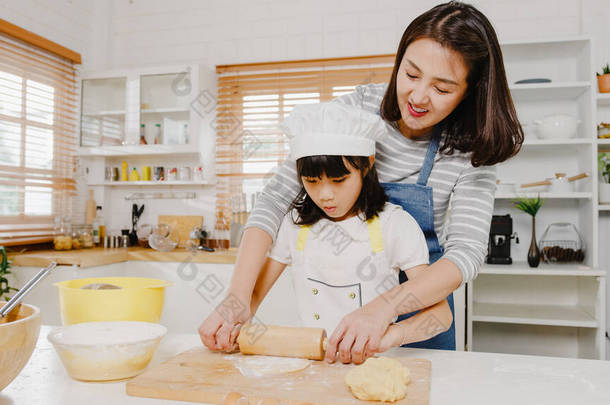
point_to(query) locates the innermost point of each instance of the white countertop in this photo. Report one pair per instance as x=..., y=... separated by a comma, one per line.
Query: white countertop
x=457, y=378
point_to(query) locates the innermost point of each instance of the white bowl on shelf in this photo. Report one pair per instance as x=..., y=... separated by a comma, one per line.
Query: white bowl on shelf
x=559, y=126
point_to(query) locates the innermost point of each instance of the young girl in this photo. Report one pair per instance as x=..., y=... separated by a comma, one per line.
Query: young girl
x=344, y=242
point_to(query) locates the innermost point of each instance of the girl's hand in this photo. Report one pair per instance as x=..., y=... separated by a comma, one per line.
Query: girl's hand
x=220, y=329
x=393, y=337
x=359, y=334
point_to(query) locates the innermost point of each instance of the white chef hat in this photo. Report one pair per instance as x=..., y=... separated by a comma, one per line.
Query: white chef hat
x=332, y=128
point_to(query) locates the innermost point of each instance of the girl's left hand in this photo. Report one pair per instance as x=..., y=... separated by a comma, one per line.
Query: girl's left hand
x=359, y=334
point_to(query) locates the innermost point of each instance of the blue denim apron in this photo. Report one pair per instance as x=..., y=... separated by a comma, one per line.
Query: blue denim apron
x=417, y=200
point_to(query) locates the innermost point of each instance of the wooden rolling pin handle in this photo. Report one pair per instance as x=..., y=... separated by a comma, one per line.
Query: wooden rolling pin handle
x=284, y=341
x=538, y=183
x=578, y=177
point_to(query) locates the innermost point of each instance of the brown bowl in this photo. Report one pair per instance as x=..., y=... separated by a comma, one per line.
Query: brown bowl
x=17, y=341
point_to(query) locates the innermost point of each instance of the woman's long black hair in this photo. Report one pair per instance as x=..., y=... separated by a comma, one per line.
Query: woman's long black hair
x=370, y=201
x=485, y=123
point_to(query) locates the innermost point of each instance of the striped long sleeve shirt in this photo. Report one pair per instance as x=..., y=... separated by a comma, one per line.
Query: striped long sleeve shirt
x=463, y=195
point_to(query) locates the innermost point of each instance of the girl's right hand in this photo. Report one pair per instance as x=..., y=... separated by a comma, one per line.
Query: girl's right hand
x=219, y=331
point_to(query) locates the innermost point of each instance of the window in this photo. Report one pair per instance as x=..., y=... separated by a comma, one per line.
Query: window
x=38, y=101
x=253, y=100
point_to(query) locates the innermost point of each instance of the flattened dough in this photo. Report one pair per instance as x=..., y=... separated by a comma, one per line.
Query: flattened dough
x=261, y=366
x=378, y=379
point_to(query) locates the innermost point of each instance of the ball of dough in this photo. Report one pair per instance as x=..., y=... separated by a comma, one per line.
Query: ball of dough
x=378, y=379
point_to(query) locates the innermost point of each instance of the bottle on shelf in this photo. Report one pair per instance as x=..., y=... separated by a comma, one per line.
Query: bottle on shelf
x=124, y=176
x=157, y=138
x=99, y=230
x=90, y=209
x=143, y=134
x=134, y=175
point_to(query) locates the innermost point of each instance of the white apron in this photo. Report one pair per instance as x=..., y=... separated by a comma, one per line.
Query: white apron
x=330, y=285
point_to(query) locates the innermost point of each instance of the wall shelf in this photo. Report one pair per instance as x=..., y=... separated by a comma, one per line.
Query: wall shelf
x=603, y=99
x=549, y=91
x=164, y=110
x=550, y=315
x=558, y=142
x=104, y=113
x=545, y=195
x=137, y=150
x=544, y=269
x=150, y=183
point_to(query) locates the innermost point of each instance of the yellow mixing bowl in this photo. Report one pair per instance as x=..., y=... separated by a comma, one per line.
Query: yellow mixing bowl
x=138, y=299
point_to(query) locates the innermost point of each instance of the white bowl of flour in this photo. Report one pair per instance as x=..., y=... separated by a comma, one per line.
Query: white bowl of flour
x=104, y=351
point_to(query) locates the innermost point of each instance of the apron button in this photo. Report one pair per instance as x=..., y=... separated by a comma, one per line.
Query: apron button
x=316, y=316
x=352, y=295
x=315, y=291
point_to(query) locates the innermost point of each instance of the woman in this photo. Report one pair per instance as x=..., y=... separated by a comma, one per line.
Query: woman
x=453, y=119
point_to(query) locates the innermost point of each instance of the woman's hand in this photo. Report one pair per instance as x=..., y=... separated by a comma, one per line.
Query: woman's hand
x=359, y=334
x=221, y=328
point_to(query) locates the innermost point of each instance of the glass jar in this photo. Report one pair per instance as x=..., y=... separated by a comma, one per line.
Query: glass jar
x=86, y=236
x=561, y=242
x=76, y=240
x=221, y=235
x=62, y=235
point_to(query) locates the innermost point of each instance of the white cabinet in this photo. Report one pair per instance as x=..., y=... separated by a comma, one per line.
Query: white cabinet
x=554, y=310
x=172, y=109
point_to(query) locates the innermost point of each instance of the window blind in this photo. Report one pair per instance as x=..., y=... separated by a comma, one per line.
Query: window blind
x=253, y=100
x=38, y=113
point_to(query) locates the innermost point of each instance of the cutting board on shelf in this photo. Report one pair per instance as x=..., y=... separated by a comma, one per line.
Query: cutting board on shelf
x=199, y=375
x=181, y=226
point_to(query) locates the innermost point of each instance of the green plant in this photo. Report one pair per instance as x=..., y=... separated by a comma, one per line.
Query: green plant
x=605, y=70
x=528, y=205
x=5, y=265
x=604, y=165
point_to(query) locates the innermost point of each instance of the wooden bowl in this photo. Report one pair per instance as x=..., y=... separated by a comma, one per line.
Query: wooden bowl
x=17, y=341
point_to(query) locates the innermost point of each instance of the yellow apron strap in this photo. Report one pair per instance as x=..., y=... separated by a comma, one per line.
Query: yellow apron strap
x=374, y=227
x=302, y=237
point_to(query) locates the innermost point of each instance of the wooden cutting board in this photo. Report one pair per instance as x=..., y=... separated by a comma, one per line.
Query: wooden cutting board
x=181, y=226
x=199, y=375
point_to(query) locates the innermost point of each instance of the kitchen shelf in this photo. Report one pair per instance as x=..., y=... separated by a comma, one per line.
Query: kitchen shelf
x=164, y=110
x=550, y=315
x=559, y=142
x=150, y=183
x=104, y=113
x=548, y=91
x=139, y=150
x=545, y=195
x=603, y=207
x=554, y=309
x=603, y=99
x=544, y=269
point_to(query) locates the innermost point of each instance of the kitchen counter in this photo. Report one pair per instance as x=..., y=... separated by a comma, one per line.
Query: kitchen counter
x=457, y=378
x=100, y=256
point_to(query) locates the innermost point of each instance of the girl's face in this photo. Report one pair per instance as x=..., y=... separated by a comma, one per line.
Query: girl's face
x=430, y=83
x=335, y=196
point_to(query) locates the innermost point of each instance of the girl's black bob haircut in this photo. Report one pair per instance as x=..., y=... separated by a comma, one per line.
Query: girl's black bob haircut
x=372, y=197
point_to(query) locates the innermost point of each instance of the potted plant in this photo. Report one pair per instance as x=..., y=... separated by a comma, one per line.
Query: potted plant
x=531, y=207
x=604, y=172
x=603, y=79
x=5, y=265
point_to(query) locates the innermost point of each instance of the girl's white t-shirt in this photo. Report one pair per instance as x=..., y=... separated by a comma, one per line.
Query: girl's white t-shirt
x=404, y=243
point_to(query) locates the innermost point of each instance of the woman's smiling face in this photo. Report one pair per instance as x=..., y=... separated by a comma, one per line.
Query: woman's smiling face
x=431, y=82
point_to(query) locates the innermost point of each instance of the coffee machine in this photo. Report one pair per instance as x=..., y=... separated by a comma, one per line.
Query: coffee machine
x=500, y=235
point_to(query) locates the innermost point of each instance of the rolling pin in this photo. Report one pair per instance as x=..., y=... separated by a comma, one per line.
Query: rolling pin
x=283, y=341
